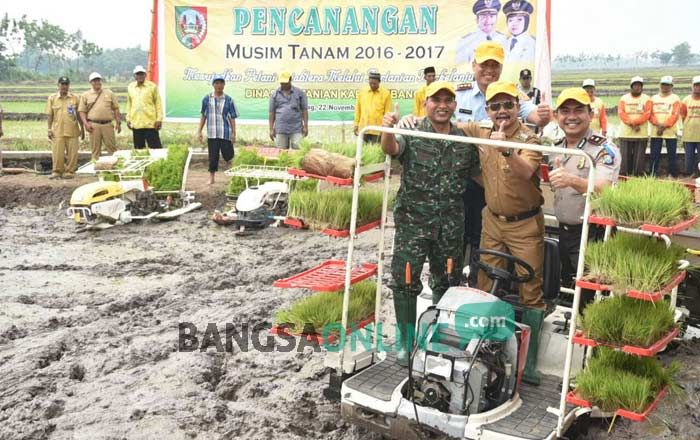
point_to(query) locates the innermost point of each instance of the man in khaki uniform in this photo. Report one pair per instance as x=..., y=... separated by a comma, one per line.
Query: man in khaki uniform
x=64, y=128
x=513, y=221
x=98, y=108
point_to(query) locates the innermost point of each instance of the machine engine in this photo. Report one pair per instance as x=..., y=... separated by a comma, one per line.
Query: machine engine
x=466, y=356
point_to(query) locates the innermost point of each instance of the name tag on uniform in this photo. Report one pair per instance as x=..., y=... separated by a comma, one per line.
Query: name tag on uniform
x=465, y=111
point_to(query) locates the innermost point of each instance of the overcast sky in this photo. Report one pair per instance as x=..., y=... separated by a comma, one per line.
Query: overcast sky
x=591, y=26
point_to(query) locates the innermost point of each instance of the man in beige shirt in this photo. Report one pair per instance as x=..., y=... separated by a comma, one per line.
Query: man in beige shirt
x=98, y=108
x=64, y=128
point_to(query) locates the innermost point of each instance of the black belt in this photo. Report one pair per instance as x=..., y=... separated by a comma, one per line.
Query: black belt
x=100, y=122
x=516, y=218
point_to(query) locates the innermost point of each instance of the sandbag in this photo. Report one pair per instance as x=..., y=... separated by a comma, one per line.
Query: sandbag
x=325, y=163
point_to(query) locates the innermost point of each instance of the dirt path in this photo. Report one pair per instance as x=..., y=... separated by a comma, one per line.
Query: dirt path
x=89, y=329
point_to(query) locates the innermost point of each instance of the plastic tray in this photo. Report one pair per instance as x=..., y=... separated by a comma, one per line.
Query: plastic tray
x=336, y=180
x=666, y=230
x=630, y=349
x=636, y=294
x=282, y=330
x=295, y=223
x=329, y=276
x=341, y=233
x=572, y=398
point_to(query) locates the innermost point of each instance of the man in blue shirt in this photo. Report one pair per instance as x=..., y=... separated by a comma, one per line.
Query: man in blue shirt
x=219, y=113
x=288, y=114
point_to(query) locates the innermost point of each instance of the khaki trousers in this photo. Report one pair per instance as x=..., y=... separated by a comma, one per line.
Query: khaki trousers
x=523, y=239
x=102, y=133
x=64, y=154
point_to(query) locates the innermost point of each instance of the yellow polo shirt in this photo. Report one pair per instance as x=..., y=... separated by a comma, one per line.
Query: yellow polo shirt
x=371, y=106
x=418, y=100
x=64, y=111
x=690, y=111
x=665, y=110
x=143, y=106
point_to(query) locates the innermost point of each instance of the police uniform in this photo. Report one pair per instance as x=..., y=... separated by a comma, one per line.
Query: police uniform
x=65, y=129
x=519, y=48
x=428, y=214
x=467, y=44
x=569, y=203
x=100, y=107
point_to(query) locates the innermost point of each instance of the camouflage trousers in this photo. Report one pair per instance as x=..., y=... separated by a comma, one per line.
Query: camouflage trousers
x=414, y=244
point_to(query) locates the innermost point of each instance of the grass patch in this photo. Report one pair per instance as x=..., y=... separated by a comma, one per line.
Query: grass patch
x=645, y=200
x=622, y=320
x=166, y=174
x=615, y=380
x=313, y=313
x=332, y=208
x=632, y=262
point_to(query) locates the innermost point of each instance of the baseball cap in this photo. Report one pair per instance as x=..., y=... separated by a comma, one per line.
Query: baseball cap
x=526, y=73
x=94, y=75
x=285, y=77
x=63, y=80
x=216, y=78
x=588, y=83
x=576, y=93
x=668, y=79
x=436, y=86
x=637, y=79
x=489, y=50
x=139, y=69
x=497, y=87
x=696, y=79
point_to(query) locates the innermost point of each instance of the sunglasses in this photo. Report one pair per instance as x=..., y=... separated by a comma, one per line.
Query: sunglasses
x=496, y=106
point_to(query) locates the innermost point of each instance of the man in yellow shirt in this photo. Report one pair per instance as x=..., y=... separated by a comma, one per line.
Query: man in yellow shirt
x=144, y=111
x=419, y=99
x=599, y=120
x=690, y=113
x=634, y=110
x=372, y=103
x=665, y=111
x=64, y=128
x=98, y=108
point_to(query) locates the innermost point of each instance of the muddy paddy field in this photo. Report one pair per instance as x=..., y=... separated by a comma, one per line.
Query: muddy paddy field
x=89, y=330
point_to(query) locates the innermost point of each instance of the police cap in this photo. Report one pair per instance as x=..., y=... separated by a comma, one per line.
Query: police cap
x=517, y=7
x=485, y=6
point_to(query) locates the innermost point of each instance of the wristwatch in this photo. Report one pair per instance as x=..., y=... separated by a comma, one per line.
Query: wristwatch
x=507, y=153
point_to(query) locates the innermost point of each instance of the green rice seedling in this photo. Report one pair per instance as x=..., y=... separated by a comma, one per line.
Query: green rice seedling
x=623, y=320
x=641, y=200
x=632, y=262
x=615, y=380
x=313, y=313
x=332, y=208
x=166, y=174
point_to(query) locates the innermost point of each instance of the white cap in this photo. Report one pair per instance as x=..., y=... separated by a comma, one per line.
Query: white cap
x=668, y=79
x=139, y=69
x=636, y=79
x=696, y=79
x=94, y=75
x=588, y=83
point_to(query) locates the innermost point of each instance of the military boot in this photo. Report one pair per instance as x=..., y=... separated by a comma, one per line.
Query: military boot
x=405, y=310
x=533, y=318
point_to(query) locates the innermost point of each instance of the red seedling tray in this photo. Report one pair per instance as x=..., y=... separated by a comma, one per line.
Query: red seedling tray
x=572, y=398
x=295, y=223
x=666, y=230
x=636, y=294
x=630, y=349
x=329, y=276
x=282, y=330
x=342, y=233
x=335, y=180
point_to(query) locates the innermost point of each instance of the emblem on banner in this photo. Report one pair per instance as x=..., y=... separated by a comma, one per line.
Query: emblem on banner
x=191, y=25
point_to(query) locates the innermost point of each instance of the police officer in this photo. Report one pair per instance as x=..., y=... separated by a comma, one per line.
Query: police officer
x=428, y=212
x=525, y=87
x=513, y=221
x=64, y=128
x=569, y=178
x=520, y=46
x=486, y=12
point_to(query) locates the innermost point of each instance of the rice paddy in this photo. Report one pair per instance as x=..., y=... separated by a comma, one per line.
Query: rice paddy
x=332, y=208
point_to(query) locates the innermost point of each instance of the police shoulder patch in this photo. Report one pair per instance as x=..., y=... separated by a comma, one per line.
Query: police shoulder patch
x=464, y=86
x=605, y=156
x=597, y=139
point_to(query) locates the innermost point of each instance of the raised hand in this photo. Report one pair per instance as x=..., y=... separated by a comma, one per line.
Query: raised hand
x=391, y=118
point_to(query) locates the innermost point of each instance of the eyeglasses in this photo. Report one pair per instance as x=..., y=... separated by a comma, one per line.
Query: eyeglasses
x=496, y=106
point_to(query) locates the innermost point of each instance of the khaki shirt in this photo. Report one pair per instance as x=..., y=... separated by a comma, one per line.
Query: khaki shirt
x=569, y=203
x=102, y=110
x=64, y=112
x=506, y=194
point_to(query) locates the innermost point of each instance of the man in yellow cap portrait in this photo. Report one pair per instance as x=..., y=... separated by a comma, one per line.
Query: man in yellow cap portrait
x=288, y=114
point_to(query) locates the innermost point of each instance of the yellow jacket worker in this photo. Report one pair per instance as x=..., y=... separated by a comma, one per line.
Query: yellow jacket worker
x=665, y=112
x=98, y=108
x=419, y=99
x=64, y=128
x=144, y=111
x=372, y=103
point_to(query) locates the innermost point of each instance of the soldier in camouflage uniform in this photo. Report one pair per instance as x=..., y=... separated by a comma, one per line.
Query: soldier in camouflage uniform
x=429, y=211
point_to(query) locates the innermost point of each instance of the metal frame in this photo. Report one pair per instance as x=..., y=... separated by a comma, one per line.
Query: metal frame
x=559, y=412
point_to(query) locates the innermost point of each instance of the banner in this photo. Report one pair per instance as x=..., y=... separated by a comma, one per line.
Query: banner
x=331, y=46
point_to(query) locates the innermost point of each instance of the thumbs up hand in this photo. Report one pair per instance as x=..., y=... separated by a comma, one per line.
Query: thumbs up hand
x=391, y=118
x=559, y=177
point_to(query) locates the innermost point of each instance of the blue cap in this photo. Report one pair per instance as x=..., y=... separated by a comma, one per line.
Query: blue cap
x=216, y=78
x=486, y=6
